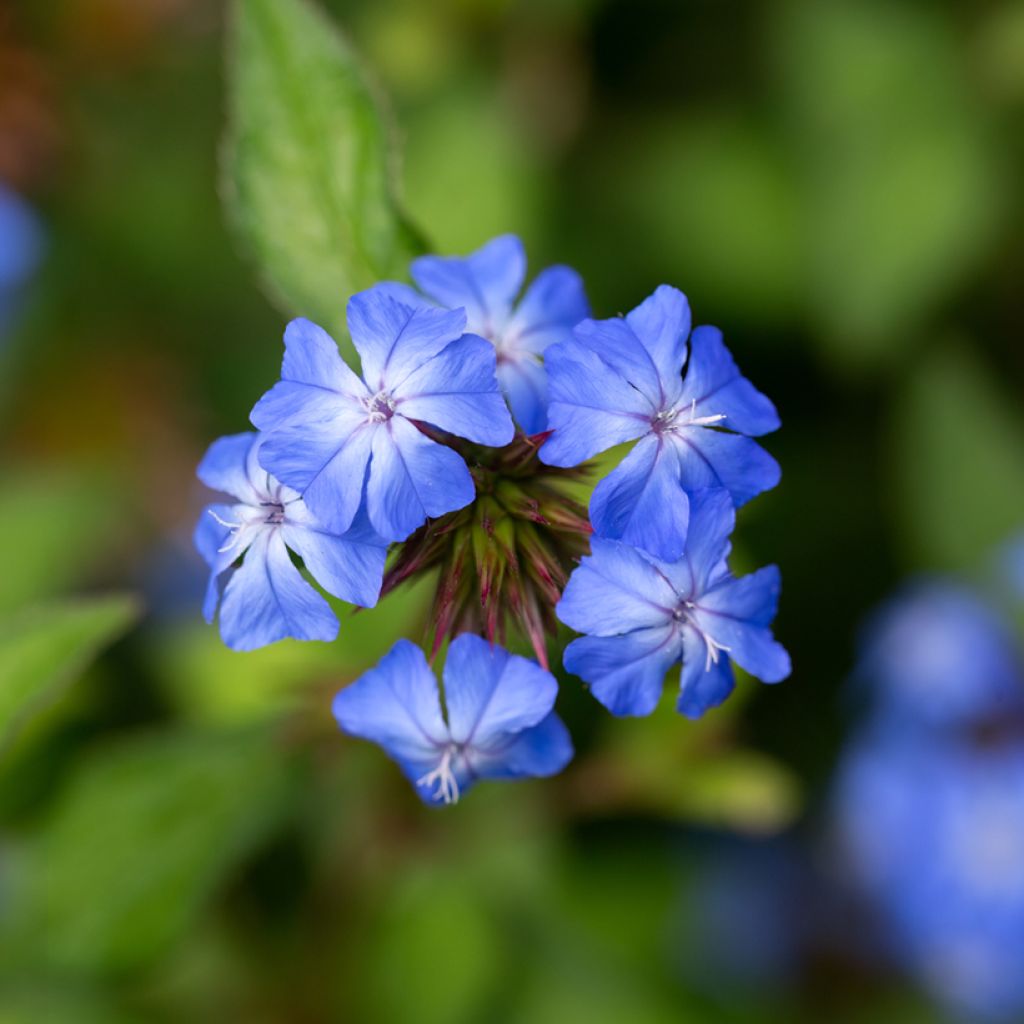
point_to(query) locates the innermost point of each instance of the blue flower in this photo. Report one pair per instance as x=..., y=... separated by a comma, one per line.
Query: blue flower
x=644, y=615
x=486, y=285
x=933, y=831
x=20, y=252
x=620, y=380
x=328, y=430
x=938, y=655
x=499, y=726
x=265, y=598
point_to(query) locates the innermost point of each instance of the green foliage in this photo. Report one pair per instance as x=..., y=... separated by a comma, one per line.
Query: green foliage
x=140, y=839
x=43, y=650
x=958, y=462
x=893, y=163
x=306, y=166
x=54, y=526
x=210, y=683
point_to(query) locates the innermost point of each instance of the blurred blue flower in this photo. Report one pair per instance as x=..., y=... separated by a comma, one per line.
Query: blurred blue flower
x=937, y=654
x=486, y=284
x=619, y=380
x=499, y=719
x=328, y=430
x=21, y=246
x=644, y=615
x=934, y=833
x=265, y=599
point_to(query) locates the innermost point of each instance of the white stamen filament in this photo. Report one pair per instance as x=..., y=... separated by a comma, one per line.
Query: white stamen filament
x=447, y=784
x=714, y=648
x=702, y=421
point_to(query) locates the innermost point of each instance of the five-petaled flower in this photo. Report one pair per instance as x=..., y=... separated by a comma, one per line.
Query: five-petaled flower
x=499, y=719
x=265, y=598
x=328, y=431
x=643, y=615
x=422, y=449
x=486, y=284
x=619, y=380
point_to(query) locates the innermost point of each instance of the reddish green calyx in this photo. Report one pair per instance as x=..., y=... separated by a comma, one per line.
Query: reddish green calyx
x=502, y=561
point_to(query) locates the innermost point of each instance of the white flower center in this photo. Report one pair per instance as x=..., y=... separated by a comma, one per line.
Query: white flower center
x=670, y=420
x=380, y=408
x=252, y=519
x=712, y=647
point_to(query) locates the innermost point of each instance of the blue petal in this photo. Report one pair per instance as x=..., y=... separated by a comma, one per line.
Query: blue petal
x=210, y=537
x=23, y=239
x=226, y=467
x=712, y=520
x=524, y=383
x=591, y=407
x=642, y=503
x=615, y=590
x=485, y=283
x=349, y=566
x=394, y=339
x=267, y=600
x=713, y=458
x=325, y=462
x=736, y=614
x=625, y=673
x=315, y=381
x=551, y=307
x=403, y=293
x=714, y=386
x=397, y=705
x=702, y=685
x=617, y=346
x=662, y=323
x=541, y=751
x=457, y=391
x=490, y=692
x=411, y=478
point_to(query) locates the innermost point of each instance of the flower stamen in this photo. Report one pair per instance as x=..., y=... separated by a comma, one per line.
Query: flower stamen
x=447, y=783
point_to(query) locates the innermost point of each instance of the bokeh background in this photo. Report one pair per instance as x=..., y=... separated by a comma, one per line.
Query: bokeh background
x=183, y=834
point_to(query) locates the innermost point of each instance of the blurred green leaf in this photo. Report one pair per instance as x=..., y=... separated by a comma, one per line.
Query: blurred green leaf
x=43, y=650
x=498, y=180
x=712, y=196
x=957, y=462
x=54, y=526
x=438, y=934
x=22, y=1003
x=211, y=683
x=145, y=831
x=307, y=171
x=689, y=771
x=894, y=165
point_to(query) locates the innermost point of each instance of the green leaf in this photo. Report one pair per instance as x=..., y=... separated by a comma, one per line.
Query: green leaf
x=54, y=526
x=958, y=462
x=138, y=843
x=894, y=162
x=43, y=650
x=663, y=764
x=306, y=171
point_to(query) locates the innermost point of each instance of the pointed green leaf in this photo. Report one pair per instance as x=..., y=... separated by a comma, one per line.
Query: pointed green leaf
x=958, y=462
x=307, y=171
x=139, y=841
x=43, y=650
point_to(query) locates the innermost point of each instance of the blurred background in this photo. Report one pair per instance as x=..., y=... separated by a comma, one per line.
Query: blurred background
x=184, y=834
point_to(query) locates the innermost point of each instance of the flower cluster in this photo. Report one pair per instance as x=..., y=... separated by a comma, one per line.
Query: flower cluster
x=463, y=441
x=930, y=799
